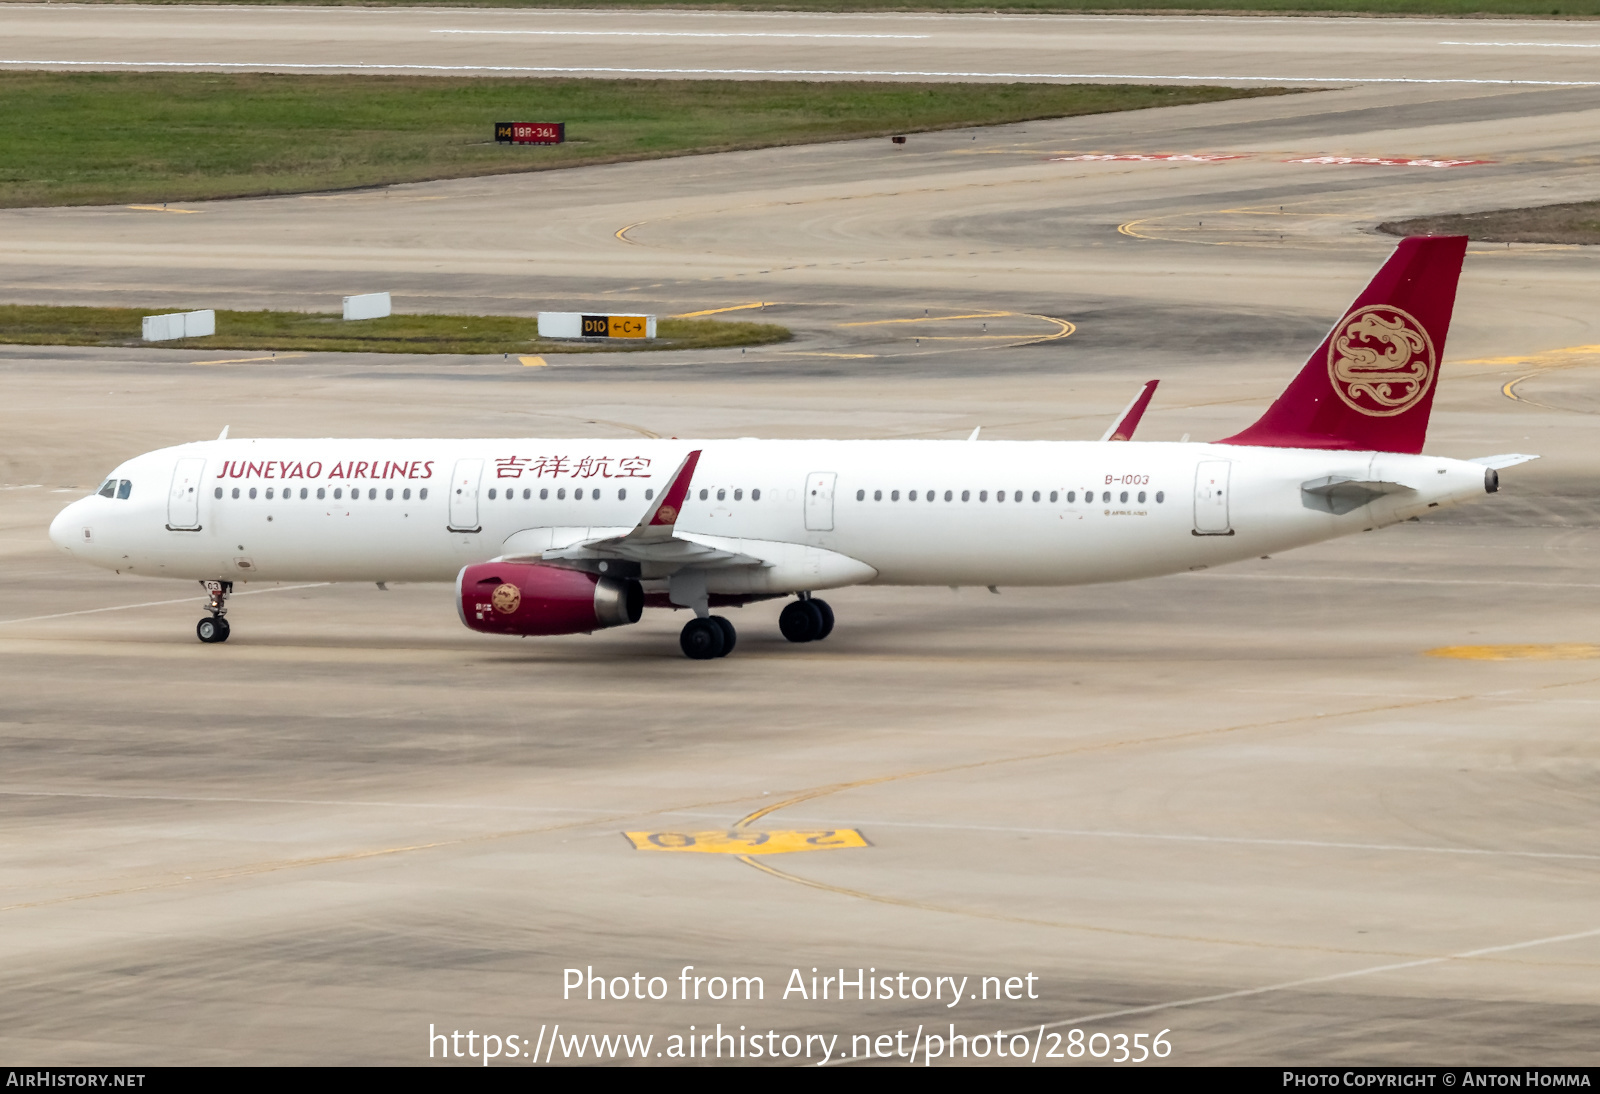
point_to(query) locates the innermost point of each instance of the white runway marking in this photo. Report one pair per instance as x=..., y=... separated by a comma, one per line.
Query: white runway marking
x=864, y=73
x=672, y=34
x=1540, y=45
x=158, y=603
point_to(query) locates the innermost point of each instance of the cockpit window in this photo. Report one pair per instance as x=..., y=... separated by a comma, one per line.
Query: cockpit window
x=109, y=490
x=124, y=489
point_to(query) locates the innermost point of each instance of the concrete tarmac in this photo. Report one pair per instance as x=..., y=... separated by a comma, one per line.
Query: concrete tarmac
x=1335, y=807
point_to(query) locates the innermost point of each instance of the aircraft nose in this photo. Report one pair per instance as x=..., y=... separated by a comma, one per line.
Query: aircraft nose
x=68, y=529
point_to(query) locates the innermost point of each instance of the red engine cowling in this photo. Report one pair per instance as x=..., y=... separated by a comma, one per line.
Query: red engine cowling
x=527, y=598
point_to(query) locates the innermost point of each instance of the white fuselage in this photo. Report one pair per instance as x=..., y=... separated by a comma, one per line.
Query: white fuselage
x=819, y=514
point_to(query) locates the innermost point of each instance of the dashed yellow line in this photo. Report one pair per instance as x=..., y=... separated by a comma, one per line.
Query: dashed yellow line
x=160, y=209
x=622, y=233
x=935, y=318
x=1554, y=651
x=247, y=360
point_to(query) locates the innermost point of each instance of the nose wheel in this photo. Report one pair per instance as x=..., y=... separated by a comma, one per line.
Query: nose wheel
x=708, y=638
x=214, y=628
x=808, y=620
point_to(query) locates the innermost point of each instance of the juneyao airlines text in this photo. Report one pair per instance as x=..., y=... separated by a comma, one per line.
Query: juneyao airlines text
x=865, y=984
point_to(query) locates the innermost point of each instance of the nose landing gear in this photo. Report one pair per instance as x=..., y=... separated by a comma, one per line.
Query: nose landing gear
x=806, y=620
x=214, y=628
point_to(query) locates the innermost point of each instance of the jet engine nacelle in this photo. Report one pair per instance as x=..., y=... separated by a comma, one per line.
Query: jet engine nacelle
x=525, y=598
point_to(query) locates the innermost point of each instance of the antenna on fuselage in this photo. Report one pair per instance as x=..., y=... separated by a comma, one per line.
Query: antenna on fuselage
x=223, y=435
x=974, y=434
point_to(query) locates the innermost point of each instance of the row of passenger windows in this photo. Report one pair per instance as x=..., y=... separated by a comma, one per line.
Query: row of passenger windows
x=561, y=493
x=338, y=493
x=1000, y=495
x=738, y=494
x=121, y=489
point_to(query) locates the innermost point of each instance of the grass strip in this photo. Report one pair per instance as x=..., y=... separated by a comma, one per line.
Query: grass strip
x=289, y=330
x=1577, y=222
x=1562, y=8
x=143, y=138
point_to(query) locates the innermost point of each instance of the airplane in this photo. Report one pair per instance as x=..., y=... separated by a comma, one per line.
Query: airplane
x=553, y=537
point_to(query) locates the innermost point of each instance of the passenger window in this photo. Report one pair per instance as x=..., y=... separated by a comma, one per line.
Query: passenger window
x=1018, y=496
x=405, y=495
x=965, y=495
x=252, y=493
x=561, y=495
x=877, y=495
x=755, y=495
x=738, y=495
x=1072, y=496
x=928, y=494
x=1106, y=496
x=622, y=495
x=108, y=489
x=894, y=495
x=722, y=495
x=911, y=496
x=372, y=495
x=338, y=492
x=422, y=495
x=999, y=495
x=948, y=495
x=1053, y=495
x=544, y=493
x=983, y=495
x=704, y=494
x=1161, y=496
x=649, y=493
x=388, y=494
x=124, y=488
x=1036, y=496
x=219, y=492
x=1124, y=497
x=322, y=493
x=491, y=493
x=269, y=493
x=861, y=495
x=1141, y=497
x=235, y=491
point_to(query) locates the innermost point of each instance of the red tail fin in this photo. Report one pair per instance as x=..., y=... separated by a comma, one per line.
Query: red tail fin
x=1370, y=384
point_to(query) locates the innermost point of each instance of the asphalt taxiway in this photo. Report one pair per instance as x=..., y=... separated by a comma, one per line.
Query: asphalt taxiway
x=1331, y=807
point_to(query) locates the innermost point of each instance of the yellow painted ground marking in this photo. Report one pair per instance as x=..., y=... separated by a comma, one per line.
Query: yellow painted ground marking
x=247, y=360
x=935, y=318
x=160, y=209
x=534, y=362
x=622, y=233
x=1553, y=651
x=719, y=311
x=812, y=353
x=748, y=843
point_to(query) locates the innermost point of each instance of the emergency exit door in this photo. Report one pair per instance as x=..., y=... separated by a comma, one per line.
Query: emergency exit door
x=183, y=500
x=464, y=496
x=819, y=501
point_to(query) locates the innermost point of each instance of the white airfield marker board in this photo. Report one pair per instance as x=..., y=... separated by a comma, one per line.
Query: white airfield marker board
x=372, y=305
x=183, y=324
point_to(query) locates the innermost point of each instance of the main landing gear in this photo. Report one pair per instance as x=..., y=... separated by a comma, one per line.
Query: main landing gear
x=214, y=628
x=806, y=620
x=704, y=639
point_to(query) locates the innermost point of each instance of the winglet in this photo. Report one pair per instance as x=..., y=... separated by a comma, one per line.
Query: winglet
x=223, y=435
x=663, y=515
x=1122, y=429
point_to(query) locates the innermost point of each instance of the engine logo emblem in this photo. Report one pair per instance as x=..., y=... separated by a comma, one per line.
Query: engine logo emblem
x=667, y=514
x=506, y=598
x=1381, y=361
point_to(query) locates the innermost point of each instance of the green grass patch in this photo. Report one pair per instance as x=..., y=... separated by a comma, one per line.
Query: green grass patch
x=1560, y=8
x=290, y=330
x=138, y=138
x=1577, y=222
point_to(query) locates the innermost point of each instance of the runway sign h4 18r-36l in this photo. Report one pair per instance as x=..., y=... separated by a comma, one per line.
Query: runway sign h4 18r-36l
x=530, y=132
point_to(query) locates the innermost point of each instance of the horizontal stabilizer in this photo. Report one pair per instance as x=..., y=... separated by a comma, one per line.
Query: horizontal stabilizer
x=1510, y=459
x=1339, y=495
x=1122, y=429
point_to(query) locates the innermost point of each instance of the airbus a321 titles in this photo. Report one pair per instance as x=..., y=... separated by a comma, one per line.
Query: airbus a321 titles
x=553, y=537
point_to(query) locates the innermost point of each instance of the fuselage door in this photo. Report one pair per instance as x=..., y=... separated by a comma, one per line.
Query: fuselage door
x=1211, y=498
x=464, y=496
x=183, y=502
x=819, y=501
